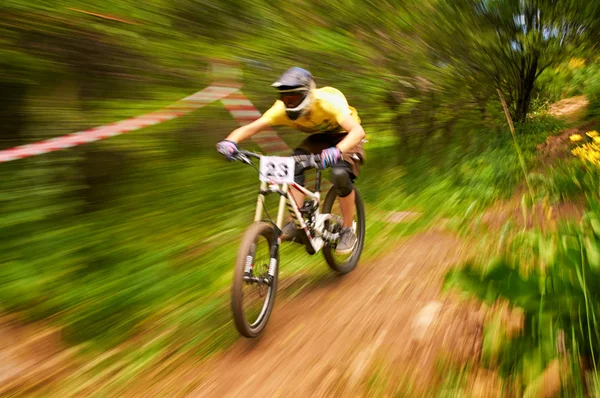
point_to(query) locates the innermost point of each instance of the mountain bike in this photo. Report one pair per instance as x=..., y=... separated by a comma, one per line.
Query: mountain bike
x=257, y=264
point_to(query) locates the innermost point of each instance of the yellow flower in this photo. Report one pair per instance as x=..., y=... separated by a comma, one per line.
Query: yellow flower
x=576, y=63
x=596, y=139
x=592, y=134
x=575, y=137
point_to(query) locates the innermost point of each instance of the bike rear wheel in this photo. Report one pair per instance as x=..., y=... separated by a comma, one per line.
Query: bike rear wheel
x=345, y=263
x=253, y=292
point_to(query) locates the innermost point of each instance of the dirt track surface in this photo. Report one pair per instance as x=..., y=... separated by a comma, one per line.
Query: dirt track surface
x=569, y=108
x=385, y=318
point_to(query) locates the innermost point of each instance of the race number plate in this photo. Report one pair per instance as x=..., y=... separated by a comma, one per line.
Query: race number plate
x=277, y=169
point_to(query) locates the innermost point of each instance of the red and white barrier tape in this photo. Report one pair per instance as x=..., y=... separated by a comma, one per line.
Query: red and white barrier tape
x=244, y=112
x=179, y=108
x=236, y=103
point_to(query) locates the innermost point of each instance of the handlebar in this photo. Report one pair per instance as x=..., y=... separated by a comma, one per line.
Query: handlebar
x=307, y=161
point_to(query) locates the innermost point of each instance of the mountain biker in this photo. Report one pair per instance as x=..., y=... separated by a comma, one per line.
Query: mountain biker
x=335, y=133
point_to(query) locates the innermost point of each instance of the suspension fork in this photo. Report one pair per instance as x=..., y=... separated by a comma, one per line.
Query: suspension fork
x=259, y=202
x=273, y=264
x=274, y=253
x=283, y=194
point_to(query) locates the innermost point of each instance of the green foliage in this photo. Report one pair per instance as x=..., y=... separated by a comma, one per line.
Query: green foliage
x=571, y=179
x=449, y=177
x=554, y=279
x=573, y=76
x=508, y=44
x=592, y=90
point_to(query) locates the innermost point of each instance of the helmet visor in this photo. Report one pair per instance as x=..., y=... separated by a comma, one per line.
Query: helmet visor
x=292, y=99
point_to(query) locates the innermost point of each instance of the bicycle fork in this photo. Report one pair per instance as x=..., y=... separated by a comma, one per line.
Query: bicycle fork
x=274, y=249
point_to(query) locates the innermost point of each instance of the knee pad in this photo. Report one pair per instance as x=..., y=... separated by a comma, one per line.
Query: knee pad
x=340, y=177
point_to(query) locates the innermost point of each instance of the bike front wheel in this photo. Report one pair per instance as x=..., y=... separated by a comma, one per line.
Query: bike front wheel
x=345, y=263
x=254, y=286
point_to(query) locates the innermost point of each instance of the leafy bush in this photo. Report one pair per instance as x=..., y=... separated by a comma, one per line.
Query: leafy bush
x=592, y=90
x=555, y=280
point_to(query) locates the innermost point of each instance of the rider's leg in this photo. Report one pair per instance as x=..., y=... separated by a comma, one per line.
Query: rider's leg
x=342, y=173
x=341, y=179
x=299, y=177
x=289, y=231
x=347, y=206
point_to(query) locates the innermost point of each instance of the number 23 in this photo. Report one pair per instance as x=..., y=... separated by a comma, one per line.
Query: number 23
x=272, y=170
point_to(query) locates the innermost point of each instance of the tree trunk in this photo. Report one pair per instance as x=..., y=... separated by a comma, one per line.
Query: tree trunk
x=525, y=91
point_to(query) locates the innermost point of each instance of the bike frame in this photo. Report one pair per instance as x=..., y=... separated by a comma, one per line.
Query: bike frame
x=286, y=199
x=322, y=235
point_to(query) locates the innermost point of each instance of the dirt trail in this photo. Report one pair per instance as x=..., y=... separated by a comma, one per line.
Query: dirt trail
x=569, y=108
x=383, y=318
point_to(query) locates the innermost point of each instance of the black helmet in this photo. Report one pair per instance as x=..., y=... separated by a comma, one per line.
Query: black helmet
x=295, y=86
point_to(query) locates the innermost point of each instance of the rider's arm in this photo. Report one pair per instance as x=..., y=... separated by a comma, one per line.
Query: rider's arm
x=273, y=117
x=355, y=134
x=334, y=103
x=243, y=133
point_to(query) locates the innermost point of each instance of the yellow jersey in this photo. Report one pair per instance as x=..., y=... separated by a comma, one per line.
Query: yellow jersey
x=327, y=110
